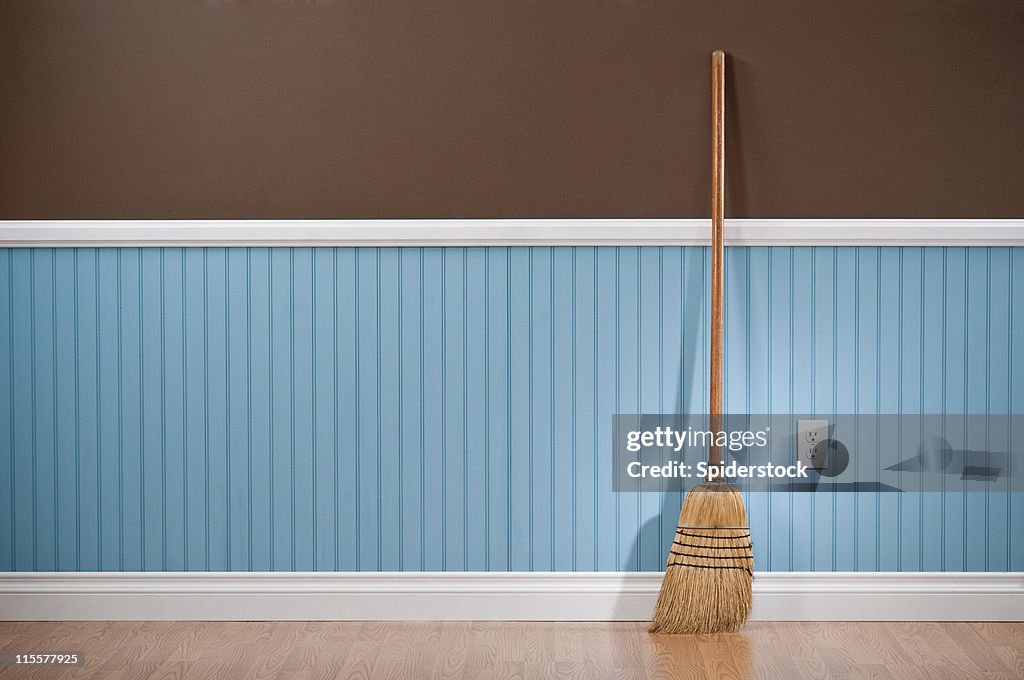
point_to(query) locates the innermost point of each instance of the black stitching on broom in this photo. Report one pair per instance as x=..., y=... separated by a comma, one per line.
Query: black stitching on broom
x=714, y=547
x=716, y=557
x=680, y=527
x=712, y=538
x=710, y=566
x=707, y=528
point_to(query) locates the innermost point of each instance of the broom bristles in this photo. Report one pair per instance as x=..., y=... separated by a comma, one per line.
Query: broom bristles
x=708, y=579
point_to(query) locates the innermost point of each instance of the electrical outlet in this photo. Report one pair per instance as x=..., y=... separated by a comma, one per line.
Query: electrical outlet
x=812, y=443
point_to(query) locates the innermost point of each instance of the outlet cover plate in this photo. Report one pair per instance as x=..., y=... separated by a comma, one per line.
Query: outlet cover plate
x=812, y=443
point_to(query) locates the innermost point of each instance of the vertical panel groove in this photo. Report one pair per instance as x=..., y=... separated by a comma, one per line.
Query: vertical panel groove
x=639, y=392
x=336, y=452
x=618, y=396
x=227, y=429
x=10, y=381
x=1009, y=407
x=207, y=505
x=378, y=409
x=444, y=410
x=142, y=414
x=596, y=416
x=551, y=405
x=163, y=408
x=465, y=412
x=99, y=425
x=1010, y=402
x=54, y=406
x=767, y=548
x=835, y=380
x=791, y=307
x=899, y=407
x=944, y=332
x=878, y=399
x=357, y=451
x=508, y=407
x=291, y=398
x=487, y=410
x=270, y=401
x=423, y=441
x=966, y=365
x=988, y=382
x=856, y=398
x=248, y=407
x=78, y=418
x=814, y=399
x=921, y=400
x=313, y=406
x=530, y=407
x=401, y=417
x=33, y=407
x=573, y=420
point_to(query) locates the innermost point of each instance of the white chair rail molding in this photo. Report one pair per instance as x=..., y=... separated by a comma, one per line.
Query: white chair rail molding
x=504, y=232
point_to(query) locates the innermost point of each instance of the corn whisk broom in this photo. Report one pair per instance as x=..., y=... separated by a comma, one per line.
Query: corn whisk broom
x=708, y=578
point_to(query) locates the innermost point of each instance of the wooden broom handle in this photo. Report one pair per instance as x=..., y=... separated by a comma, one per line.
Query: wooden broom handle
x=717, y=244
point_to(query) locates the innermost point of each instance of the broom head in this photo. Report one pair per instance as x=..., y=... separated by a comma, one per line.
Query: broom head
x=708, y=580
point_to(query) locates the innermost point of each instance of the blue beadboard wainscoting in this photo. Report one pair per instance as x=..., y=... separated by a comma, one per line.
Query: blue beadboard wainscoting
x=450, y=408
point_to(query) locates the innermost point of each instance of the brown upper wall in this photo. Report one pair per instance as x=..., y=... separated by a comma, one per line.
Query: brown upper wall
x=487, y=108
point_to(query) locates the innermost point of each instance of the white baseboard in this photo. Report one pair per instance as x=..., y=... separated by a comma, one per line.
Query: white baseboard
x=549, y=596
x=505, y=232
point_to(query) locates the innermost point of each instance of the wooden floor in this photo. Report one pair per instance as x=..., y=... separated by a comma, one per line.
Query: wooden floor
x=518, y=650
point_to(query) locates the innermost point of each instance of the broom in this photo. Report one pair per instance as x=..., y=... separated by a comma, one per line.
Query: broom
x=708, y=578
